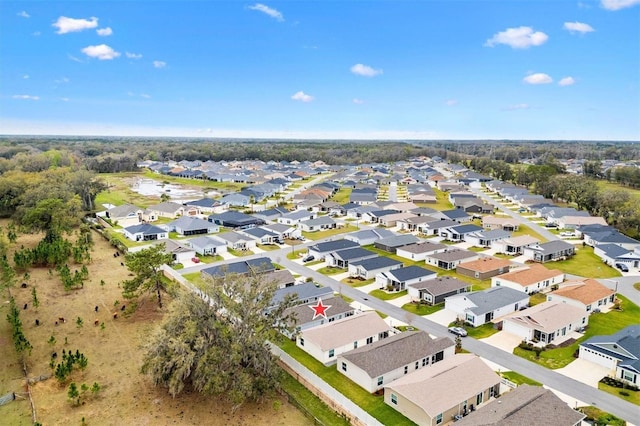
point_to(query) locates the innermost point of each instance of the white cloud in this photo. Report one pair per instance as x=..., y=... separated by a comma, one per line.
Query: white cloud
x=618, y=4
x=144, y=95
x=451, y=102
x=567, y=81
x=71, y=25
x=159, y=64
x=101, y=51
x=26, y=76
x=36, y=33
x=578, y=27
x=517, y=107
x=104, y=31
x=518, y=38
x=64, y=99
x=26, y=97
x=133, y=55
x=301, y=96
x=62, y=80
x=538, y=78
x=23, y=14
x=365, y=70
x=73, y=58
x=357, y=101
x=267, y=10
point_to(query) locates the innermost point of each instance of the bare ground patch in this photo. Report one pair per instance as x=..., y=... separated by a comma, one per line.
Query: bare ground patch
x=113, y=352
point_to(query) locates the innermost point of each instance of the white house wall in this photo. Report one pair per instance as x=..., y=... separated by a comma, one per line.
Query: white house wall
x=599, y=358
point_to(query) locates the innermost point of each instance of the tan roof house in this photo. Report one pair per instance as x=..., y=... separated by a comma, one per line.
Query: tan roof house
x=587, y=294
x=497, y=222
x=484, y=268
x=522, y=406
x=546, y=322
x=325, y=342
x=373, y=366
x=436, y=395
x=530, y=279
x=514, y=246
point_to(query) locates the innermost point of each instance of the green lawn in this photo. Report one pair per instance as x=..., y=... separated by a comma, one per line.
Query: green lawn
x=268, y=247
x=194, y=278
x=329, y=232
x=422, y=308
x=355, y=282
x=537, y=298
x=600, y=417
x=525, y=230
x=240, y=253
x=632, y=397
x=372, y=404
x=383, y=295
x=330, y=270
x=519, y=379
x=310, y=403
x=585, y=264
x=442, y=201
x=342, y=196
x=485, y=330
x=599, y=324
x=293, y=255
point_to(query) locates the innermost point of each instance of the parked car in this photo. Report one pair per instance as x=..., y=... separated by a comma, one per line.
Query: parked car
x=550, y=225
x=308, y=258
x=622, y=267
x=567, y=234
x=458, y=331
x=195, y=259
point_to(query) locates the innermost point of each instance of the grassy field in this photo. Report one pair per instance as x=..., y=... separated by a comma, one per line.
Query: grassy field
x=422, y=309
x=383, y=295
x=354, y=282
x=537, y=298
x=585, y=264
x=114, y=357
x=599, y=324
x=485, y=330
x=442, y=201
x=330, y=270
x=342, y=196
x=525, y=230
x=372, y=404
x=311, y=403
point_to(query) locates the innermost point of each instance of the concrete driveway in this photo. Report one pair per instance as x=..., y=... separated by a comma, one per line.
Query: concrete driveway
x=443, y=317
x=585, y=371
x=403, y=300
x=503, y=340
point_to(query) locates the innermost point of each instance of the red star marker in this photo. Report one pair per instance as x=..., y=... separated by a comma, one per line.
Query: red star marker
x=320, y=309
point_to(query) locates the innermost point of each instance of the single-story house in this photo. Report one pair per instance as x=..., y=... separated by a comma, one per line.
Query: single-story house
x=271, y=215
x=613, y=253
x=369, y=268
x=260, y=265
x=484, y=268
x=434, y=227
x=391, y=244
x=326, y=342
x=303, y=293
x=500, y=222
x=413, y=223
x=237, y=241
x=587, y=294
x=367, y=237
x=435, y=290
x=450, y=259
x=342, y=258
x=436, y=395
x=234, y=219
x=392, y=220
x=486, y=238
x=520, y=406
x=572, y=222
x=321, y=250
x=179, y=252
x=421, y=250
x=206, y=205
x=480, y=307
x=207, y=246
x=458, y=232
x=317, y=224
x=514, y=246
x=281, y=278
x=546, y=322
x=172, y=210
x=145, y=232
x=283, y=231
x=303, y=315
x=187, y=225
x=374, y=366
x=293, y=218
x=127, y=215
x=399, y=279
x=619, y=352
x=530, y=279
x=261, y=235
x=456, y=215
x=549, y=251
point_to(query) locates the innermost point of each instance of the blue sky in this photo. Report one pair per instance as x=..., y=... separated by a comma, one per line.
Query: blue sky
x=322, y=69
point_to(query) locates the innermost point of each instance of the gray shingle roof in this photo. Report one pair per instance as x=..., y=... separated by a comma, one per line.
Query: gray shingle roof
x=493, y=298
x=330, y=246
x=353, y=253
x=376, y=263
x=441, y=285
x=396, y=351
x=410, y=273
x=145, y=229
x=398, y=240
